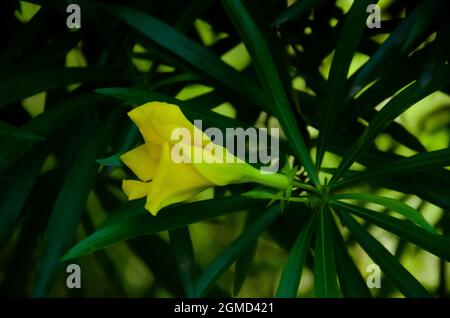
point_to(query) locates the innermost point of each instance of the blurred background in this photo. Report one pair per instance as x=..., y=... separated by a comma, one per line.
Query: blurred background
x=44, y=65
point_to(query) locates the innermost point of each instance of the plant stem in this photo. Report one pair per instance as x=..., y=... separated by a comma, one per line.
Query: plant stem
x=277, y=181
x=304, y=186
x=297, y=199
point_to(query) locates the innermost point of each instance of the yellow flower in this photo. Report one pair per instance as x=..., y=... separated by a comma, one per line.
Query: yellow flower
x=164, y=181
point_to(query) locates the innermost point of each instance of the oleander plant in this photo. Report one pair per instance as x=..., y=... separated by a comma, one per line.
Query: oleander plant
x=92, y=204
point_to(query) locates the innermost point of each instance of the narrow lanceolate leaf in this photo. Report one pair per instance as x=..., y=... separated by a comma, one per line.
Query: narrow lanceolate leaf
x=390, y=266
x=270, y=79
x=18, y=86
x=438, y=245
x=390, y=111
x=439, y=53
x=325, y=279
x=158, y=256
x=124, y=212
x=351, y=281
x=195, y=9
x=297, y=9
x=245, y=260
x=431, y=186
x=181, y=242
x=418, y=163
x=401, y=40
x=334, y=95
x=292, y=272
x=242, y=267
x=190, y=52
x=391, y=81
x=67, y=210
x=190, y=109
x=45, y=124
x=222, y=262
x=352, y=111
x=10, y=131
x=123, y=226
x=193, y=108
x=392, y=204
x=112, y=161
x=428, y=11
x=12, y=198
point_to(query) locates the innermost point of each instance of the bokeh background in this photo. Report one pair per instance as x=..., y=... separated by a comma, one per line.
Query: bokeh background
x=36, y=49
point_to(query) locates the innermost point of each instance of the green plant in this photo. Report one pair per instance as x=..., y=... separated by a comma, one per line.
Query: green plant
x=61, y=170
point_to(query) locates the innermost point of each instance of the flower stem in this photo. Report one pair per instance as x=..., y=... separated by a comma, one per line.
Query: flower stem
x=304, y=186
x=298, y=199
x=277, y=181
x=282, y=182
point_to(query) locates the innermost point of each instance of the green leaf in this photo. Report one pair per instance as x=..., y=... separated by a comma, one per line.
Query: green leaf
x=10, y=131
x=184, y=78
x=395, y=130
x=126, y=211
x=38, y=29
x=417, y=163
x=181, y=242
x=193, y=11
x=47, y=123
x=264, y=193
x=193, y=108
x=133, y=220
x=12, y=199
x=189, y=52
x=284, y=231
x=112, y=161
x=392, y=204
x=222, y=262
x=431, y=186
x=297, y=9
x=104, y=259
x=18, y=86
x=438, y=245
x=421, y=24
x=439, y=53
x=325, y=279
x=157, y=254
x=391, y=81
x=68, y=208
x=400, y=41
x=335, y=88
x=390, y=266
x=245, y=260
x=390, y=111
x=292, y=271
x=270, y=79
x=189, y=108
x=351, y=281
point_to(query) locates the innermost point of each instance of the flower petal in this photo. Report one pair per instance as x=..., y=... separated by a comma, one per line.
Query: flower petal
x=221, y=167
x=141, y=161
x=141, y=117
x=157, y=121
x=135, y=189
x=174, y=182
x=154, y=150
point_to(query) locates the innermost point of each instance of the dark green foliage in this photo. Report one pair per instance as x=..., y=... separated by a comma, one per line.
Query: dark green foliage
x=60, y=168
